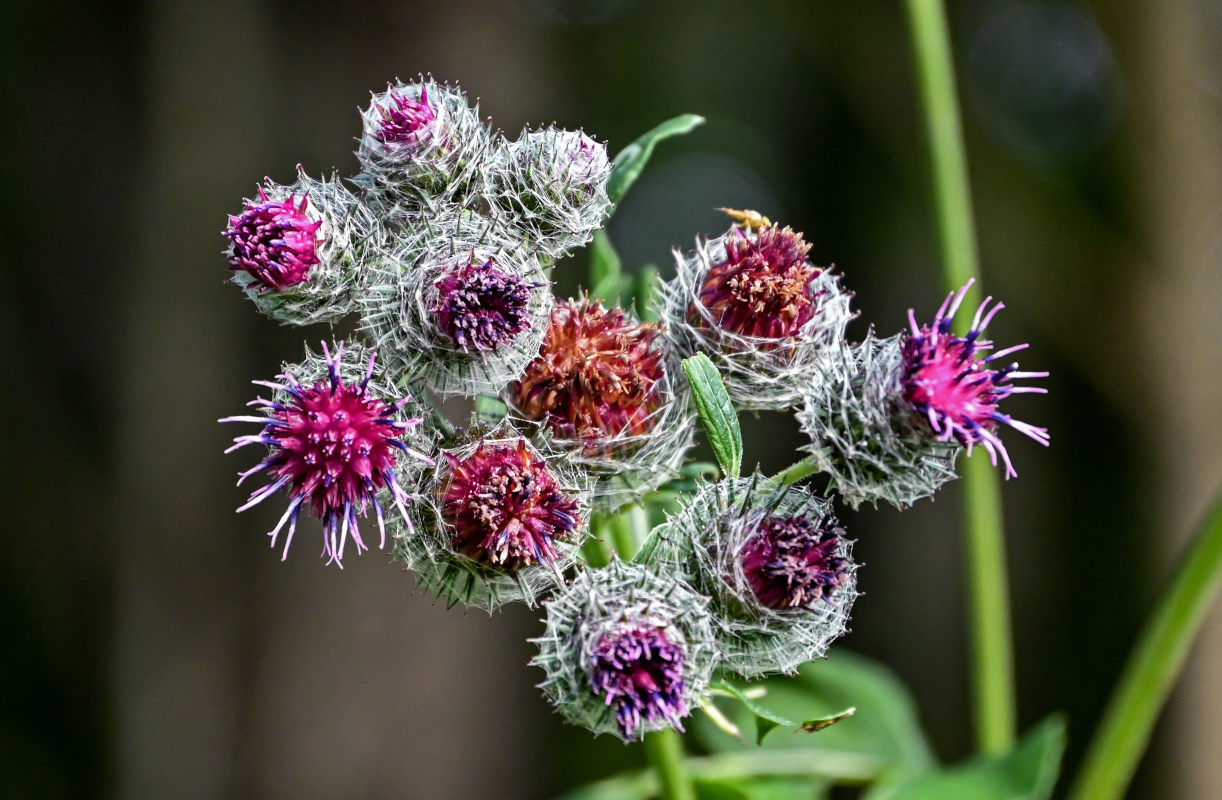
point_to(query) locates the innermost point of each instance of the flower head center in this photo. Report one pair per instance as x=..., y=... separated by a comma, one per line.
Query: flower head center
x=480, y=307
x=274, y=242
x=404, y=121
x=791, y=562
x=506, y=507
x=640, y=673
x=762, y=288
x=596, y=376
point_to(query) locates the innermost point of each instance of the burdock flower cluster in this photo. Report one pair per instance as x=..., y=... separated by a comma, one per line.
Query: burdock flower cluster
x=439, y=252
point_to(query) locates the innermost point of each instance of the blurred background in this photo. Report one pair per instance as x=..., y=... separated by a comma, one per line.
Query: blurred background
x=155, y=647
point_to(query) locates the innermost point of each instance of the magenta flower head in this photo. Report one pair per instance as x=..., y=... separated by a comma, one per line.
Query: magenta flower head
x=950, y=383
x=888, y=417
x=600, y=385
x=552, y=185
x=457, y=306
x=626, y=651
x=754, y=303
x=298, y=250
x=337, y=443
x=776, y=565
x=500, y=523
x=421, y=143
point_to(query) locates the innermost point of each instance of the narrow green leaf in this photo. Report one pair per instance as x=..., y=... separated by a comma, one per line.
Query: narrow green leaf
x=1028, y=772
x=764, y=726
x=632, y=159
x=816, y=725
x=716, y=412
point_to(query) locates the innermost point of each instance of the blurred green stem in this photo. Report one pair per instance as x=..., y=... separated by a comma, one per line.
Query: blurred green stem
x=989, y=613
x=1153, y=666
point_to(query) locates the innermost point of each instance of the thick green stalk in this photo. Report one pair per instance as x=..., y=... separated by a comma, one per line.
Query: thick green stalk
x=989, y=605
x=1152, y=669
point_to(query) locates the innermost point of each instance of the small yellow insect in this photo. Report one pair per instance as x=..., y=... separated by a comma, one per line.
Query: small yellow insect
x=748, y=218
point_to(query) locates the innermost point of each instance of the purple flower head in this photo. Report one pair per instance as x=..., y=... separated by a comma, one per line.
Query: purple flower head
x=480, y=307
x=406, y=122
x=949, y=383
x=274, y=242
x=506, y=507
x=639, y=671
x=792, y=562
x=333, y=445
x=763, y=287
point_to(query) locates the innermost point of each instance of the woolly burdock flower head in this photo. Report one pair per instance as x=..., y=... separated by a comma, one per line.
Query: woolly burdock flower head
x=860, y=429
x=755, y=304
x=776, y=565
x=626, y=651
x=421, y=144
x=951, y=385
x=552, y=185
x=501, y=523
x=297, y=250
x=336, y=441
x=601, y=385
x=457, y=306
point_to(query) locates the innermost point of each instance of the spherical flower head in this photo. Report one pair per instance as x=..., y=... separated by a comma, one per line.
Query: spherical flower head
x=406, y=122
x=498, y=521
x=481, y=307
x=792, y=561
x=951, y=385
x=640, y=673
x=335, y=444
x=506, y=507
x=299, y=251
x=274, y=241
x=627, y=650
x=774, y=562
x=596, y=376
x=753, y=302
x=421, y=147
x=551, y=185
x=764, y=286
x=455, y=304
x=862, y=432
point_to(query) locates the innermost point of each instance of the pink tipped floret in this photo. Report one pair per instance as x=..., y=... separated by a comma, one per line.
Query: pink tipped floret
x=949, y=383
x=334, y=446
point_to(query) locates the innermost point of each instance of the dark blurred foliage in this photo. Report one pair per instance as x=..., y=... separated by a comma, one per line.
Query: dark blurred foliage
x=156, y=648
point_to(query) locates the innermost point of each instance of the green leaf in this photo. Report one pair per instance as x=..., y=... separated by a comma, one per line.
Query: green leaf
x=766, y=720
x=490, y=409
x=763, y=788
x=716, y=412
x=1028, y=772
x=884, y=727
x=607, y=279
x=646, y=287
x=632, y=159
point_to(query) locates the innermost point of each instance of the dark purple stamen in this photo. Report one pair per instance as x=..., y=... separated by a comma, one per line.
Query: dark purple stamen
x=480, y=307
x=640, y=672
x=791, y=562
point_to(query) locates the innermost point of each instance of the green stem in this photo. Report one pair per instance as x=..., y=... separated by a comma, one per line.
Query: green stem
x=1152, y=668
x=989, y=607
x=663, y=749
x=795, y=472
